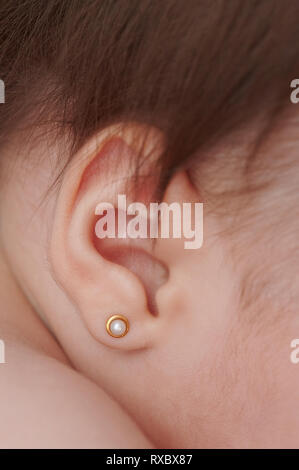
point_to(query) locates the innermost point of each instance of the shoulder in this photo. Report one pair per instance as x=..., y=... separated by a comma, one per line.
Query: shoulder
x=46, y=404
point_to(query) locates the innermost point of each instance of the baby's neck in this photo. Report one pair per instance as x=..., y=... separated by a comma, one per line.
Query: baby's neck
x=19, y=322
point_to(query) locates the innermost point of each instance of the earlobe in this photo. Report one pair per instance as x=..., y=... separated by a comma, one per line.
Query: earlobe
x=110, y=297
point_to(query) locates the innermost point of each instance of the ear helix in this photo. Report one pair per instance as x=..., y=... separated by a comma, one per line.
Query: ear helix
x=117, y=326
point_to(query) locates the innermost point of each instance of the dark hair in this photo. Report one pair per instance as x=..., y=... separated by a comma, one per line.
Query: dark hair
x=195, y=69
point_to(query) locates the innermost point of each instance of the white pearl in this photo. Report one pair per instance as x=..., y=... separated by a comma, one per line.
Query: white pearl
x=118, y=327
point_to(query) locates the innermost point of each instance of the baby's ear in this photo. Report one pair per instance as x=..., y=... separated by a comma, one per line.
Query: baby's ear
x=111, y=283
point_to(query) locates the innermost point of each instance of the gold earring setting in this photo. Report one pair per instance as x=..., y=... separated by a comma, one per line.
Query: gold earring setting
x=117, y=326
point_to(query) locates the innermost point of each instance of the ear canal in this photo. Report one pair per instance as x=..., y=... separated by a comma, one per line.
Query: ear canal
x=149, y=270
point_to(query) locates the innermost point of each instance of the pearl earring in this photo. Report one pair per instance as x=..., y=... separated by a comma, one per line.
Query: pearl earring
x=117, y=326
